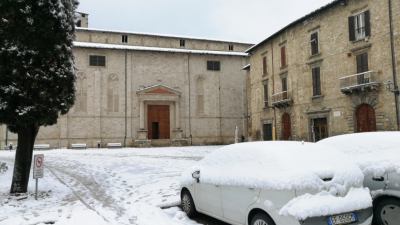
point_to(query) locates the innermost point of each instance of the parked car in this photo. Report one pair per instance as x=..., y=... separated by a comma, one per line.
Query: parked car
x=378, y=155
x=277, y=183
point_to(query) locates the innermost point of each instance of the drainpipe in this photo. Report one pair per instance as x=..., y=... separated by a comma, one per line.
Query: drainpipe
x=189, y=94
x=126, y=97
x=274, y=134
x=396, y=87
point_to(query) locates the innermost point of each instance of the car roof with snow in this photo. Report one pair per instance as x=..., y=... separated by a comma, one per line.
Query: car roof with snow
x=375, y=152
x=276, y=165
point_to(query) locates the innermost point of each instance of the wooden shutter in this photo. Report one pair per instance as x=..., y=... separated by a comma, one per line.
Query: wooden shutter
x=266, y=97
x=284, y=84
x=367, y=17
x=362, y=63
x=314, y=43
x=316, y=76
x=352, y=31
x=283, y=56
x=264, y=65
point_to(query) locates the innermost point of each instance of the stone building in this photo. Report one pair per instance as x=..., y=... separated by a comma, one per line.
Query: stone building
x=331, y=72
x=144, y=89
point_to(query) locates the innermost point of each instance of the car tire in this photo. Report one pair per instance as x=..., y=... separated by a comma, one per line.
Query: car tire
x=187, y=204
x=261, y=219
x=387, y=212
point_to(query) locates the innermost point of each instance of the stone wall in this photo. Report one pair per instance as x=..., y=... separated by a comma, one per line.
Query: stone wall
x=336, y=60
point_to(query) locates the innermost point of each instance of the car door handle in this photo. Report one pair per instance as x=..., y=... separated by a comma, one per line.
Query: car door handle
x=378, y=179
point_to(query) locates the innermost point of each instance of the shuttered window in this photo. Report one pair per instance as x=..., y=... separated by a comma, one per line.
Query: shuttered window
x=284, y=84
x=360, y=26
x=362, y=63
x=314, y=43
x=316, y=79
x=283, y=56
x=264, y=62
x=97, y=60
x=266, y=95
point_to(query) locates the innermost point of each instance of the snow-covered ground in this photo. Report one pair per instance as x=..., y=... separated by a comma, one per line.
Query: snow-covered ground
x=96, y=187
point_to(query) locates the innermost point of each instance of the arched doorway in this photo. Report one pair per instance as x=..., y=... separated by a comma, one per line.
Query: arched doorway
x=286, y=127
x=365, y=118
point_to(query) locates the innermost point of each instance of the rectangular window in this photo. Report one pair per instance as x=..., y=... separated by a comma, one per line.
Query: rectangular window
x=284, y=84
x=124, y=38
x=97, y=60
x=283, y=57
x=362, y=63
x=182, y=43
x=264, y=62
x=214, y=65
x=359, y=26
x=230, y=47
x=266, y=95
x=316, y=78
x=314, y=43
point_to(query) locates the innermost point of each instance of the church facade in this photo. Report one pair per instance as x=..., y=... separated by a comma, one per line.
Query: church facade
x=151, y=90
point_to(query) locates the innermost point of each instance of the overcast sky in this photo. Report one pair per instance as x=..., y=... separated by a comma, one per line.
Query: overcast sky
x=238, y=20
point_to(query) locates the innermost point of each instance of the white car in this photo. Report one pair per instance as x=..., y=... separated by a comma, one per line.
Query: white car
x=277, y=183
x=378, y=155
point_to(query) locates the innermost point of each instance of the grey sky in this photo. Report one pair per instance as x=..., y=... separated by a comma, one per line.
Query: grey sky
x=239, y=20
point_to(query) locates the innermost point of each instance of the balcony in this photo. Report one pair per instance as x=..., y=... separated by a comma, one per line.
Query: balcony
x=361, y=82
x=282, y=99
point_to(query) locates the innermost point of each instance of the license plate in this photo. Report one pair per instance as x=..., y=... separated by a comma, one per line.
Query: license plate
x=342, y=219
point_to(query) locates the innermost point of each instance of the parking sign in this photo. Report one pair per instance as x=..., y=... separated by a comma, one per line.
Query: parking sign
x=38, y=166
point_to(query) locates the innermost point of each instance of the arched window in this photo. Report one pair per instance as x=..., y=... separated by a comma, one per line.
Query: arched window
x=112, y=94
x=81, y=93
x=200, y=101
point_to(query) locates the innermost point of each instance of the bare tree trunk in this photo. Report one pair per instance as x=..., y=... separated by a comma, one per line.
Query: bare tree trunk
x=23, y=159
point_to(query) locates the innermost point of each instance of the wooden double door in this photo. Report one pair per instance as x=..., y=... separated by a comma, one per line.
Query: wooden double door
x=365, y=118
x=158, y=122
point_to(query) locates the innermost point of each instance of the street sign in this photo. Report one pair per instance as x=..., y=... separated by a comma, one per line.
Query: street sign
x=38, y=166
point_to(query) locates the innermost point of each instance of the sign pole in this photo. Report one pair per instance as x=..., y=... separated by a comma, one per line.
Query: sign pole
x=36, y=190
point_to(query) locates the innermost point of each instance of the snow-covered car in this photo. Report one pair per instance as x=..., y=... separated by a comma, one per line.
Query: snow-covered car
x=277, y=183
x=378, y=155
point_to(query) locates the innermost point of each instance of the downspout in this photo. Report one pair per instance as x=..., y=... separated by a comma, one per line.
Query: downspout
x=396, y=87
x=273, y=91
x=190, y=106
x=126, y=97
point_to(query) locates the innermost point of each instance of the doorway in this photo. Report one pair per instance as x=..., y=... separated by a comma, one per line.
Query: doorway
x=319, y=127
x=365, y=119
x=158, y=122
x=286, y=127
x=267, y=132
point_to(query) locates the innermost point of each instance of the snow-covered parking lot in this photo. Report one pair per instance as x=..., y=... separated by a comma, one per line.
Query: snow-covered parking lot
x=120, y=186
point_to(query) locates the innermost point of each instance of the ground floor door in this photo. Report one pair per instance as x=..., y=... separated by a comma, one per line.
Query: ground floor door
x=267, y=132
x=158, y=122
x=365, y=118
x=286, y=127
x=319, y=129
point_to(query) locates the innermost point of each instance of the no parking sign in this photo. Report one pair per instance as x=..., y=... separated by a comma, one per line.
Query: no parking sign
x=38, y=166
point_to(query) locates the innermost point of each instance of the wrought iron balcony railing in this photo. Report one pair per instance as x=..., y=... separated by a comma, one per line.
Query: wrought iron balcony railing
x=359, y=82
x=282, y=99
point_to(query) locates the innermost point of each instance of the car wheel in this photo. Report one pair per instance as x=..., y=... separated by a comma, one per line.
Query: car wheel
x=187, y=204
x=387, y=212
x=261, y=219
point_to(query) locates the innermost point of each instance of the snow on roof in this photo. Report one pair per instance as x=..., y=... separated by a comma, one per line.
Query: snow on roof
x=246, y=67
x=325, y=204
x=375, y=152
x=158, y=35
x=278, y=166
x=155, y=49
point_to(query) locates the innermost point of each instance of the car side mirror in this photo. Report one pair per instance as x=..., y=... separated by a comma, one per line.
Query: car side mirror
x=196, y=176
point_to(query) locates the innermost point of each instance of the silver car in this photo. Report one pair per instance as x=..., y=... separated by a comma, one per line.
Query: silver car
x=277, y=183
x=378, y=155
